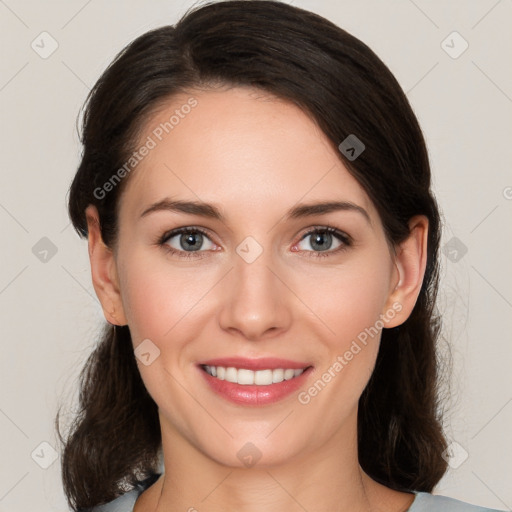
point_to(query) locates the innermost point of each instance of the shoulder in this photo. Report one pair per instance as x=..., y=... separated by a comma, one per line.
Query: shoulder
x=426, y=502
x=125, y=502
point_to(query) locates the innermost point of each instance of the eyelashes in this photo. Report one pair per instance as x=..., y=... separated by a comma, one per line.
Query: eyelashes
x=331, y=232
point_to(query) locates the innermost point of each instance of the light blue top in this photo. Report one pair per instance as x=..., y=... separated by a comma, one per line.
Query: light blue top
x=423, y=502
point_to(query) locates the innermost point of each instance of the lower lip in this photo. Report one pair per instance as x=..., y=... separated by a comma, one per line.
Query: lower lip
x=252, y=394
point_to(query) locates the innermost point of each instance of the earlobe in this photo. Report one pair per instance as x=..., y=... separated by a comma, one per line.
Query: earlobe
x=103, y=271
x=410, y=262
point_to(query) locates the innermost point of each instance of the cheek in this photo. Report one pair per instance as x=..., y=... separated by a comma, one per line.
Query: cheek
x=157, y=298
x=161, y=304
x=351, y=298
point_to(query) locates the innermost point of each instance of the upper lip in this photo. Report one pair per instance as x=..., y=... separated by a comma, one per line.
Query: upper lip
x=263, y=363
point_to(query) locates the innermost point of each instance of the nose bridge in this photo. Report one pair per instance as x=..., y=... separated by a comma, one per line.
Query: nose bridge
x=252, y=266
x=254, y=300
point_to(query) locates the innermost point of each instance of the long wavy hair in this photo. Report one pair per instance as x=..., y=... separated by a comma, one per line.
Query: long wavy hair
x=114, y=439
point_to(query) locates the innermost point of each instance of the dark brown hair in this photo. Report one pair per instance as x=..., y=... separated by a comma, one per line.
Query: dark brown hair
x=303, y=58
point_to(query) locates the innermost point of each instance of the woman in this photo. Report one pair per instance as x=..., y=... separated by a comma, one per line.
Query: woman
x=255, y=190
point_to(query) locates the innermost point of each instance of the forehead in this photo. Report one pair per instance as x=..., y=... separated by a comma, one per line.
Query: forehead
x=240, y=148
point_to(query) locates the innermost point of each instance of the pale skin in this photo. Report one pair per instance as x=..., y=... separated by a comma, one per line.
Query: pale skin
x=254, y=157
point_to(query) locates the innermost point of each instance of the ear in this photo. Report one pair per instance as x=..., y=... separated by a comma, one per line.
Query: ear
x=410, y=263
x=103, y=270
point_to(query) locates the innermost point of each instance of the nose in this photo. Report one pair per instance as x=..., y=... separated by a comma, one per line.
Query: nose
x=255, y=300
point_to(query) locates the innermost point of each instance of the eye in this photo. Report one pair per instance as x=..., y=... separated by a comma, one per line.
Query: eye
x=322, y=240
x=186, y=242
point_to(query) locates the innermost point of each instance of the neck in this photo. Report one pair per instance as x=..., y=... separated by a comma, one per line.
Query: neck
x=327, y=479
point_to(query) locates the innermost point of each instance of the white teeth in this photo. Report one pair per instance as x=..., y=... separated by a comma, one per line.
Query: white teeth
x=231, y=374
x=247, y=377
x=263, y=377
x=277, y=375
x=288, y=374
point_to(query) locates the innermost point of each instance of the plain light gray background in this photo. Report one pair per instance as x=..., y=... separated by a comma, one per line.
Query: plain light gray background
x=49, y=313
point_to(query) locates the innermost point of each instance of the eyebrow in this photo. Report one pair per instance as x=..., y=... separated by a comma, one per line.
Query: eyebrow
x=211, y=211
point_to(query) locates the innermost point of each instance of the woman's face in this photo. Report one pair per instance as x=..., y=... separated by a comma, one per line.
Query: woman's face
x=254, y=291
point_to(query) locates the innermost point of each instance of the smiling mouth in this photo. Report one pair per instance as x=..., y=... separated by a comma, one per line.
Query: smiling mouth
x=247, y=377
